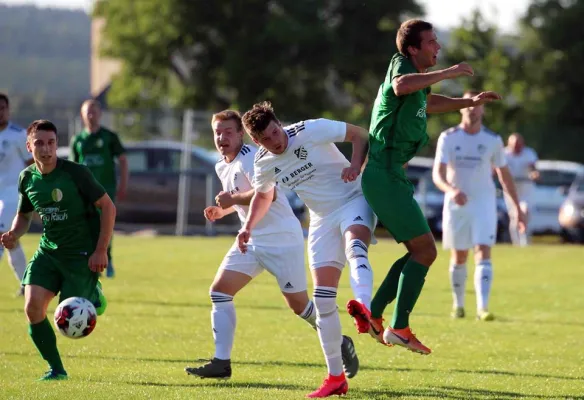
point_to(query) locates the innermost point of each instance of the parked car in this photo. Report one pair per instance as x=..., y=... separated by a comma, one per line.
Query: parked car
x=551, y=191
x=571, y=216
x=152, y=195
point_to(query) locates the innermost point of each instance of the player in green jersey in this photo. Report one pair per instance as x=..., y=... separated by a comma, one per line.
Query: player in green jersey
x=98, y=148
x=396, y=133
x=73, y=248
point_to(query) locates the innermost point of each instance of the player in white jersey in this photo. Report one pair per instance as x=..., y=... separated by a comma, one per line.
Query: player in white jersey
x=277, y=245
x=13, y=158
x=463, y=170
x=303, y=158
x=521, y=162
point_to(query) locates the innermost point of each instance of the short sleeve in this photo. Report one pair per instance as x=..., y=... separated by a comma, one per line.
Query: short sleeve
x=533, y=156
x=117, y=148
x=86, y=183
x=247, y=168
x=73, y=154
x=442, y=155
x=24, y=204
x=263, y=180
x=399, y=66
x=499, y=158
x=324, y=131
x=22, y=150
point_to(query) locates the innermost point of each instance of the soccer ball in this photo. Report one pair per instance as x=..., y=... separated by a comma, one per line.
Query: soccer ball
x=75, y=317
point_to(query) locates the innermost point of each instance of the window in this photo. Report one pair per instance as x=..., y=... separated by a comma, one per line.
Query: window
x=555, y=178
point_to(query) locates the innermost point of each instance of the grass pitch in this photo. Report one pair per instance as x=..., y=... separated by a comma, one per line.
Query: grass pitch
x=158, y=322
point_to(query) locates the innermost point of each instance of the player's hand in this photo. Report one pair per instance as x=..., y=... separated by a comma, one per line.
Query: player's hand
x=9, y=240
x=462, y=69
x=213, y=213
x=242, y=239
x=459, y=197
x=122, y=192
x=521, y=220
x=485, y=97
x=349, y=174
x=98, y=261
x=534, y=175
x=224, y=200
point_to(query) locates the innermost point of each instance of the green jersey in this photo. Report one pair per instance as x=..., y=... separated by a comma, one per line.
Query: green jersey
x=64, y=199
x=398, y=124
x=98, y=152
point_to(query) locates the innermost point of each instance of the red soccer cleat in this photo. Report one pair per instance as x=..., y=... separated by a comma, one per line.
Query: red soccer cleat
x=360, y=314
x=332, y=385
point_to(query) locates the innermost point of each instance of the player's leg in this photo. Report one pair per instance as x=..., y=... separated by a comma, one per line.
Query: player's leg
x=287, y=265
x=390, y=196
x=234, y=273
x=16, y=257
x=109, y=271
x=327, y=259
x=457, y=236
x=42, y=281
x=484, y=232
x=80, y=281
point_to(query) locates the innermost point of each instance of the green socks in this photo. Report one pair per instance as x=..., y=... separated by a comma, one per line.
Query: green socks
x=388, y=289
x=44, y=338
x=410, y=286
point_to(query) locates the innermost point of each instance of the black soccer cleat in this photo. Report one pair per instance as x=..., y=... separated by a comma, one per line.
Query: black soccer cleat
x=215, y=369
x=349, y=355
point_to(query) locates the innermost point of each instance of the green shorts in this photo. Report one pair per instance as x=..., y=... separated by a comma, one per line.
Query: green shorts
x=69, y=275
x=390, y=195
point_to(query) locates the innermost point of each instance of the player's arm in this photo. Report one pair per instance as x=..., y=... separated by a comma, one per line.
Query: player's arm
x=258, y=208
x=439, y=177
x=124, y=175
x=438, y=104
x=439, y=172
x=359, y=138
x=412, y=82
x=22, y=220
x=106, y=222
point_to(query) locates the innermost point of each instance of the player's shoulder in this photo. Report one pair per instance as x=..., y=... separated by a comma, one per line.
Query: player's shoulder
x=248, y=152
x=261, y=156
x=450, y=132
x=297, y=127
x=490, y=133
x=72, y=167
x=107, y=131
x=27, y=173
x=16, y=128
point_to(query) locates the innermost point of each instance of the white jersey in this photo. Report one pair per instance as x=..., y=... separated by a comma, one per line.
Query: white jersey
x=470, y=159
x=13, y=158
x=519, y=164
x=280, y=225
x=311, y=166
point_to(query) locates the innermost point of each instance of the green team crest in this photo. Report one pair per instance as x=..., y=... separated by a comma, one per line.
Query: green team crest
x=99, y=143
x=57, y=195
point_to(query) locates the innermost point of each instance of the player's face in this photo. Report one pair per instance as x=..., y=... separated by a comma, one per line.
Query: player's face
x=472, y=114
x=273, y=138
x=90, y=113
x=516, y=143
x=4, y=113
x=228, y=138
x=43, y=146
x=427, y=55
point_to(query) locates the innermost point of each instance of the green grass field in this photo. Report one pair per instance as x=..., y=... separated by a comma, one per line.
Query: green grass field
x=158, y=322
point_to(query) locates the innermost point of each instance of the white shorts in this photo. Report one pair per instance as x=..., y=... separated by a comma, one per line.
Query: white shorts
x=285, y=263
x=465, y=227
x=326, y=242
x=7, y=213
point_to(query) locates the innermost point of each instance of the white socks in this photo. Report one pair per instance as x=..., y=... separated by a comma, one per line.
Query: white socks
x=361, y=273
x=17, y=261
x=482, y=281
x=329, y=327
x=458, y=283
x=223, y=323
x=309, y=314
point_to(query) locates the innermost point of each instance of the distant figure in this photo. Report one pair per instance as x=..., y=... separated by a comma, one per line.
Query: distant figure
x=521, y=161
x=13, y=158
x=98, y=148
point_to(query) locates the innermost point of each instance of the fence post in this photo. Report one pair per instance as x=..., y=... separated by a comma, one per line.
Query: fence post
x=184, y=190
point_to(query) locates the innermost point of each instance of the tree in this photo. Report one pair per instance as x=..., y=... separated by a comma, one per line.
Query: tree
x=309, y=57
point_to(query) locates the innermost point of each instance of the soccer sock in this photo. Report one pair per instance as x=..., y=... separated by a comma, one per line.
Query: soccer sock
x=329, y=327
x=361, y=273
x=483, y=278
x=44, y=339
x=388, y=289
x=309, y=314
x=458, y=283
x=410, y=286
x=17, y=261
x=223, y=323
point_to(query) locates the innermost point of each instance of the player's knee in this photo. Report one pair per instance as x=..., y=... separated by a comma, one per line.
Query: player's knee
x=35, y=311
x=356, y=248
x=325, y=303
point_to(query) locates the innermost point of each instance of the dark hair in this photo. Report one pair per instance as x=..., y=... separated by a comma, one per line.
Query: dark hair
x=4, y=97
x=256, y=120
x=228, y=115
x=409, y=35
x=41, y=125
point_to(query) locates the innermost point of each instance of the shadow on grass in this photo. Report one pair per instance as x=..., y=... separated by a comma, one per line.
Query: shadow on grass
x=228, y=385
x=195, y=305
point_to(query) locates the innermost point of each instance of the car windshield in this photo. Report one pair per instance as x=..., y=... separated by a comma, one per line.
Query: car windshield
x=555, y=178
x=580, y=187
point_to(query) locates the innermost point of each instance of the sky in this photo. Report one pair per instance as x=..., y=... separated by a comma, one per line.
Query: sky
x=443, y=14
